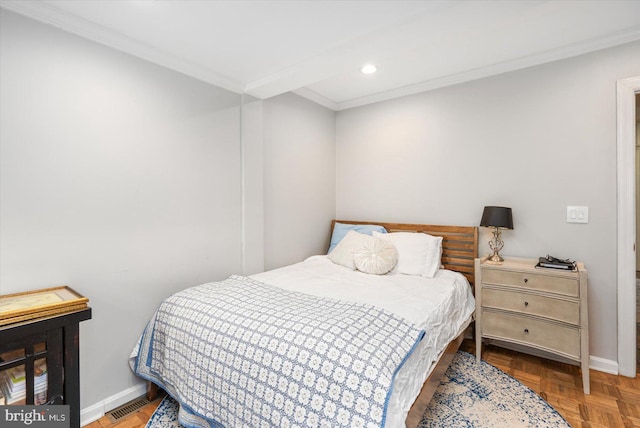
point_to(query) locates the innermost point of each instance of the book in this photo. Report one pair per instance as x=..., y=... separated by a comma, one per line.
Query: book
x=555, y=263
x=22, y=385
x=17, y=374
x=13, y=385
x=18, y=396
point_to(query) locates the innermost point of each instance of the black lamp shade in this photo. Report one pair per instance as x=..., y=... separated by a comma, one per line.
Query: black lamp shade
x=497, y=217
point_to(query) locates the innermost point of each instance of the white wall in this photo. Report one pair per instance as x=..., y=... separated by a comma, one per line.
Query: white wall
x=252, y=184
x=299, y=179
x=535, y=140
x=119, y=178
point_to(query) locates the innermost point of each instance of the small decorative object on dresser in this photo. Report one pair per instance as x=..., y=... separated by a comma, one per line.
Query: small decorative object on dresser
x=545, y=309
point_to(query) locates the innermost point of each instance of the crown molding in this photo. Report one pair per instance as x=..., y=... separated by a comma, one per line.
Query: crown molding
x=561, y=53
x=286, y=80
x=316, y=98
x=73, y=24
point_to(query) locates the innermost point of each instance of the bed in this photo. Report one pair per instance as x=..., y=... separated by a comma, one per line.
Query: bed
x=413, y=304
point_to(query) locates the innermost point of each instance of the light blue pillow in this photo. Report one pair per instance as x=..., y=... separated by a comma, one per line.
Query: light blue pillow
x=341, y=229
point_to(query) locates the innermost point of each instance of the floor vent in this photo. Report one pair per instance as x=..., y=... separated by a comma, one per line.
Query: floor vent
x=127, y=408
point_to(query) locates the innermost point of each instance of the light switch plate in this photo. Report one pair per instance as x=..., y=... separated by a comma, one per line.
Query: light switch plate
x=577, y=214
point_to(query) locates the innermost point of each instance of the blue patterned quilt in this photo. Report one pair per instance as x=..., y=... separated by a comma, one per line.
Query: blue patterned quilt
x=240, y=353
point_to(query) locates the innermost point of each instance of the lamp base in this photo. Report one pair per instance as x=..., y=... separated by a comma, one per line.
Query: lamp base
x=496, y=245
x=496, y=259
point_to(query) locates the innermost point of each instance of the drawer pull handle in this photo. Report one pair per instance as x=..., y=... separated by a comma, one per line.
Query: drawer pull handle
x=526, y=330
x=526, y=280
x=526, y=304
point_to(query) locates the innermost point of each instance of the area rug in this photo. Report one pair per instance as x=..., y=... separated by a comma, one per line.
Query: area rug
x=472, y=394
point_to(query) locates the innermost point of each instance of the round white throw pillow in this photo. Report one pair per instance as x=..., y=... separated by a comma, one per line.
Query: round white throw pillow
x=375, y=256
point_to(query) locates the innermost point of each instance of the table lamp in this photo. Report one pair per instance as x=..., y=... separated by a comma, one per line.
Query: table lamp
x=498, y=218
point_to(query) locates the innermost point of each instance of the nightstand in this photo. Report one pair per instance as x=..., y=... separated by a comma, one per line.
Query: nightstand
x=545, y=309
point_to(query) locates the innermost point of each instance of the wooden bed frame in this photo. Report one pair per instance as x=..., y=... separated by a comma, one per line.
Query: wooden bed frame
x=459, y=243
x=459, y=250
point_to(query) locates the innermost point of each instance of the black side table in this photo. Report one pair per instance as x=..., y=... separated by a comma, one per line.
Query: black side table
x=57, y=339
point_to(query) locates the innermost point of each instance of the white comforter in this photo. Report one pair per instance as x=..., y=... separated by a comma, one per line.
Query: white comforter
x=442, y=306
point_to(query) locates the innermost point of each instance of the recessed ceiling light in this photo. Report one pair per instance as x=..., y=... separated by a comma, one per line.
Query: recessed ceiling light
x=369, y=68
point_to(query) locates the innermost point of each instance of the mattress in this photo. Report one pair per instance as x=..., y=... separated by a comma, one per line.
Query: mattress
x=442, y=306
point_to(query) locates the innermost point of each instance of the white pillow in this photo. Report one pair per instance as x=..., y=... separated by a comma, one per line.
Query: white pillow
x=342, y=254
x=375, y=256
x=434, y=256
x=418, y=253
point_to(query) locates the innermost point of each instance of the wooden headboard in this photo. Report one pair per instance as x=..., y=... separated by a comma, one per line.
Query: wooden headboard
x=459, y=243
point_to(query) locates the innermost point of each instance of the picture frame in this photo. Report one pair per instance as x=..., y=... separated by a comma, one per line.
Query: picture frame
x=32, y=304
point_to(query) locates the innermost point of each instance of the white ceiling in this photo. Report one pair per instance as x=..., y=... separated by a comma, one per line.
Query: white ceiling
x=316, y=48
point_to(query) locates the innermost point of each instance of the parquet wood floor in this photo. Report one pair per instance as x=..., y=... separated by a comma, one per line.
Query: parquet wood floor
x=614, y=400
x=137, y=419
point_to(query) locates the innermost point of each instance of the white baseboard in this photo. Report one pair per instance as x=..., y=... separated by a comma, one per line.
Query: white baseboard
x=98, y=410
x=603, y=365
x=595, y=363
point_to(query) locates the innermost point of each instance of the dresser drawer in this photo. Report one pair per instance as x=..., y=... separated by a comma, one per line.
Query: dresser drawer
x=538, y=333
x=558, y=309
x=532, y=281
